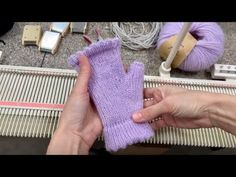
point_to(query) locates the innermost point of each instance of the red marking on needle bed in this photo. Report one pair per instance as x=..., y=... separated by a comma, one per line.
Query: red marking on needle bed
x=31, y=105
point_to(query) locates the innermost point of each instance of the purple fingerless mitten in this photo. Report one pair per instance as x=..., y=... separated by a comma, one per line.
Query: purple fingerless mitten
x=116, y=94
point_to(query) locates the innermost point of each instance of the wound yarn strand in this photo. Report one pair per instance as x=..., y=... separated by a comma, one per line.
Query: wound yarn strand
x=137, y=35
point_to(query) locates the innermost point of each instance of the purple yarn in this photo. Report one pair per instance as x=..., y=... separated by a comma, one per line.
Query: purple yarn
x=116, y=94
x=208, y=50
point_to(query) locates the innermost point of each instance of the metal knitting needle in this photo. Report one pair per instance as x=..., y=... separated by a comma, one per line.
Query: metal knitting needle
x=87, y=39
x=98, y=33
x=165, y=67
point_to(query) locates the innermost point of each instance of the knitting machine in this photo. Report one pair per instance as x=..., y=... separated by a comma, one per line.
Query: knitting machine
x=32, y=99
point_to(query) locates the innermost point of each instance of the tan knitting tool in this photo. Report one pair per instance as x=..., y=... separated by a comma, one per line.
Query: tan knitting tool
x=32, y=99
x=31, y=35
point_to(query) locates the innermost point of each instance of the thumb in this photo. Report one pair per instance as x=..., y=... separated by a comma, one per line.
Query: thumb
x=84, y=75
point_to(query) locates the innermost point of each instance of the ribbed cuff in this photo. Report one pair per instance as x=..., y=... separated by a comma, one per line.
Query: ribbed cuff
x=127, y=133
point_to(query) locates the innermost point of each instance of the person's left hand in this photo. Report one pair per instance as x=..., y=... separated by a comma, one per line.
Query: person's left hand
x=79, y=124
x=176, y=107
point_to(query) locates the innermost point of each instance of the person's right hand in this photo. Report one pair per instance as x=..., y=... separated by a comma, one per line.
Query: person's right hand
x=177, y=107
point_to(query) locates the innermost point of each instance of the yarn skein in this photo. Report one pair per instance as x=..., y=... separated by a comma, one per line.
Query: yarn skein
x=208, y=49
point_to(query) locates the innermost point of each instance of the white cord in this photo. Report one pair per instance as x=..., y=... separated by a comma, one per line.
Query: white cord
x=137, y=35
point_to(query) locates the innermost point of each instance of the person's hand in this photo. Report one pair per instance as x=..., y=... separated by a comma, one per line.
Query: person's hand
x=79, y=124
x=175, y=106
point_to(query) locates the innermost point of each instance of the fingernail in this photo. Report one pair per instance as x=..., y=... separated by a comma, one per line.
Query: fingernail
x=137, y=117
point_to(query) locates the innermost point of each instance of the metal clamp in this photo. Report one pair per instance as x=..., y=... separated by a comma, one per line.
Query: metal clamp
x=50, y=42
x=60, y=27
x=78, y=27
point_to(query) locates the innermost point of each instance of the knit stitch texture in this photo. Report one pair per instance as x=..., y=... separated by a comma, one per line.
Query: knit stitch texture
x=116, y=94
